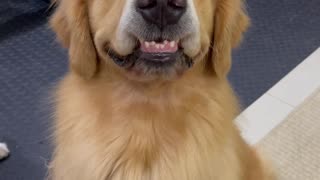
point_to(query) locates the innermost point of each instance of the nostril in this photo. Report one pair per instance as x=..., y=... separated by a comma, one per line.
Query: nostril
x=161, y=12
x=178, y=4
x=146, y=4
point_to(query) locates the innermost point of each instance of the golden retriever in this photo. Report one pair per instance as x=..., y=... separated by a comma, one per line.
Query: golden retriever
x=147, y=97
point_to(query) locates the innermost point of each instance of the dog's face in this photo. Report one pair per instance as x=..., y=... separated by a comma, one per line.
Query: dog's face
x=149, y=39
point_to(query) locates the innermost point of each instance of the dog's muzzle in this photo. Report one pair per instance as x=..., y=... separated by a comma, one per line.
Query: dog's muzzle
x=160, y=30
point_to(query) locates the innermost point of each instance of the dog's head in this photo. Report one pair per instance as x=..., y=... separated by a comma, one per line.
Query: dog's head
x=149, y=39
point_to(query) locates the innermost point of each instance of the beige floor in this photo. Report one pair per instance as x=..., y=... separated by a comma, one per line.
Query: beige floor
x=294, y=146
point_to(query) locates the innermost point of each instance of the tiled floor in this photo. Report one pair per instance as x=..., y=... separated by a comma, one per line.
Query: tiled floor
x=274, y=106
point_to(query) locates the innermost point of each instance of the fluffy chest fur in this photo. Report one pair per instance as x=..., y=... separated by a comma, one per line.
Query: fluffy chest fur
x=118, y=133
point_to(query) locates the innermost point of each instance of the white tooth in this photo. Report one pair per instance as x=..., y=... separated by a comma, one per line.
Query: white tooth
x=165, y=42
x=147, y=44
x=162, y=46
x=172, y=44
x=157, y=46
x=153, y=43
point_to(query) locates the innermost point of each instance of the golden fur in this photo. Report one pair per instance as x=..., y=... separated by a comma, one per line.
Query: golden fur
x=111, y=128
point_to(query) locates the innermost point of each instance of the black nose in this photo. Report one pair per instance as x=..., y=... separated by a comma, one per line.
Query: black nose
x=161, y=12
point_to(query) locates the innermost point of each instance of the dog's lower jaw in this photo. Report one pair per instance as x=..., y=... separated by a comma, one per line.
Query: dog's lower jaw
x=152, y=64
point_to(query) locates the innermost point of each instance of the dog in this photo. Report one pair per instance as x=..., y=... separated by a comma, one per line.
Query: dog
x=146, y=96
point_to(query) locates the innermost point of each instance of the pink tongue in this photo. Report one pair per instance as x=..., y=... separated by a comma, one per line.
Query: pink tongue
x=159, y=47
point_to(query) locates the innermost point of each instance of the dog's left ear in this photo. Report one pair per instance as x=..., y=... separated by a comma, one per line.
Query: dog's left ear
x=71, y=23
x=230, y=22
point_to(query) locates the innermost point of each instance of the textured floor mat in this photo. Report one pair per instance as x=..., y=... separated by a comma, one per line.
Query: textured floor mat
x=30, y=62
x=294, y=145
x=282, y=35
x=11, y=9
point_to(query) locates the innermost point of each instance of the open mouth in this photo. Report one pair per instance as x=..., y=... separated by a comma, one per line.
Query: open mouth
x=159, y=47
x=154, y=57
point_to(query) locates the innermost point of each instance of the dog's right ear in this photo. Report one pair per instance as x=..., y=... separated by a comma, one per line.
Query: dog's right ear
x=71, y=24
x=230, y=22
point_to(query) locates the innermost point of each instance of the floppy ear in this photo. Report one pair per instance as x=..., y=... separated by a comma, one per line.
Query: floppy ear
x=230, y=22
x=71, y=24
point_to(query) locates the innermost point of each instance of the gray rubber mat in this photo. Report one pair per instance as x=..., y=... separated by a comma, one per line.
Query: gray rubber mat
x=282, y=35
x=30, y=63
x=11, y=9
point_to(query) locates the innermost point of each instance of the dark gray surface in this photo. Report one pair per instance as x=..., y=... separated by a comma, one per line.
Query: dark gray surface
x=30, y=63
x=10, y=9
x=282, y=35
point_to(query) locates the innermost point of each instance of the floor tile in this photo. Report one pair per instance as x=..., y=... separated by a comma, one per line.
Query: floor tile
x=262, y=116
x=299, y=83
